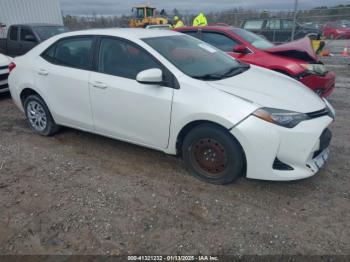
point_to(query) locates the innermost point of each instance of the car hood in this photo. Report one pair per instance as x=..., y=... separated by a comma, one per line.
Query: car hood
x=271, y=89
x=301, y=49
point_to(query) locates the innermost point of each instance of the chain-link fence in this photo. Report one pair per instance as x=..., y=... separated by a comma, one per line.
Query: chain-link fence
x=279, y=26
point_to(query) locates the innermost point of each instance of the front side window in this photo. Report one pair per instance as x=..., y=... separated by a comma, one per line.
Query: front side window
x=220, y=41
x=253, y=39
x=72, y=52
x=14, y=33
x=120, y=58
x=45, y=32
x=196, y=58
x=140, y=13
x=273, y=24
x=253, y=24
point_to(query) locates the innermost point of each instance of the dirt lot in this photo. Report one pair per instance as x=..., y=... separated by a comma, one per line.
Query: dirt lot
x=81, y=193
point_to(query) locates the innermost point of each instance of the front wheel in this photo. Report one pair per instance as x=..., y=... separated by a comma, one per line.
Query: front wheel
x=212, y=154
x=39, y=117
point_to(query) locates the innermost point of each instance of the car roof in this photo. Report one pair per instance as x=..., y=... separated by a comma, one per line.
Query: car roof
x=129, y=33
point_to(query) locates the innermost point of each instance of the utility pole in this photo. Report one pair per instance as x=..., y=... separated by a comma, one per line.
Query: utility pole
x=295, y=18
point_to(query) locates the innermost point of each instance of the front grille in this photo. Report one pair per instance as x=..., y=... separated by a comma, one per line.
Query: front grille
x=279, y=165
x=4, y=77
x=319, y=113
x=325, y=140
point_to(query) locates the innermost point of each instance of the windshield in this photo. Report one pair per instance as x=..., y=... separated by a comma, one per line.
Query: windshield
x=254, y=39
x=45, y=32
x=196, y=58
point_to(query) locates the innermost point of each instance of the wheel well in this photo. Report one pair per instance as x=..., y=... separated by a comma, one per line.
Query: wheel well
x=27, y=92
x=186, y=129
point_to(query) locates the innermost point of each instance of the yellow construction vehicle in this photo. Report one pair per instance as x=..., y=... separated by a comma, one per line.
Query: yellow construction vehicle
x=144, y=15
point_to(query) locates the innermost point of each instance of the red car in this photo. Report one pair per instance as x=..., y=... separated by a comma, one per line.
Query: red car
x=296, y=59
x=336, y=30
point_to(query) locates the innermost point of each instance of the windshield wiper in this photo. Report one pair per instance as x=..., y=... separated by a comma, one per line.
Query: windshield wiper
x=236, y=70
x=208, y=77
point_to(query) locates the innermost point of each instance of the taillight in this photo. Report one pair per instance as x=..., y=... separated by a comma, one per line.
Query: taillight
x=11, y=66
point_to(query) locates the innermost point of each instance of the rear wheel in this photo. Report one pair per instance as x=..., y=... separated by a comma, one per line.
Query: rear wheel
x=212, y=154
x=39, y=117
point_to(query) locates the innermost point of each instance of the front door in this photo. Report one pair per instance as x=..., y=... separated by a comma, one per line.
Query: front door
x=122, y=107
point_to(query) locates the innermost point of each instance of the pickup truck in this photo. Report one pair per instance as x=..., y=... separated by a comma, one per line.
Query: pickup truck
x=279, y=30
x=21, y=38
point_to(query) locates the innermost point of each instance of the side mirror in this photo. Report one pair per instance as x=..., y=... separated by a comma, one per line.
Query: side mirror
x=152, y=76
x=241, y=49
x=30, y=38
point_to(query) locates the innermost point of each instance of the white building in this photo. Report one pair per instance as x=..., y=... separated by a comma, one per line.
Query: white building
x=28, y=11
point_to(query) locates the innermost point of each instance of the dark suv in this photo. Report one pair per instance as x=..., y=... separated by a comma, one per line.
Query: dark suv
x=278, y=30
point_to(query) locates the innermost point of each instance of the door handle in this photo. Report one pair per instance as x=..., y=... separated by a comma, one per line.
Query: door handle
x=43, y=72
x=99, y=85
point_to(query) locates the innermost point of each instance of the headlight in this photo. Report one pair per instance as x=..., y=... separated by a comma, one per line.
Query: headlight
x=281, y=117
x=317, y=69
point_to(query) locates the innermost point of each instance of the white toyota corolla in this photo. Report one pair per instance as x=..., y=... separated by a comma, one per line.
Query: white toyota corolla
x=174, y=93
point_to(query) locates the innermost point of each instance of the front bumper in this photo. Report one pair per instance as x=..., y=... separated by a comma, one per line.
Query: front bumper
x=322, y=85
x=298, y=147
x=3, y=79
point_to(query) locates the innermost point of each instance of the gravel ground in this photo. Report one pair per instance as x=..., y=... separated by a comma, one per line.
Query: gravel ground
x=78, y=193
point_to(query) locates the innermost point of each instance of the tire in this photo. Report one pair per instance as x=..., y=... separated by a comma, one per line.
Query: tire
x=213, y=155
x=39, y=117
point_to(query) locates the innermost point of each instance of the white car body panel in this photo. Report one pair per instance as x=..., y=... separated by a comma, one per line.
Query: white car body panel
x=66, y=92
x=131, y=111
x=272, y=89
x=154, y=115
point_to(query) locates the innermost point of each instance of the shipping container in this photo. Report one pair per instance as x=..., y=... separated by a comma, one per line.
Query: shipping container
x=28, y=11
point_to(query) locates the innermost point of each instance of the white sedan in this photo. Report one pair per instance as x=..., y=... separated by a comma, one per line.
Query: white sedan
x=4, y=64
x=171, y=92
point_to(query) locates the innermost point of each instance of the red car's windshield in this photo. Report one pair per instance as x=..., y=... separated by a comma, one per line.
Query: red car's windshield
x=254, y=39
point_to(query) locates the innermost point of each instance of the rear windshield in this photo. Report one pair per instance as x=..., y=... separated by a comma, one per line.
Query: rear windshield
x=45, y=32
x=254, y=39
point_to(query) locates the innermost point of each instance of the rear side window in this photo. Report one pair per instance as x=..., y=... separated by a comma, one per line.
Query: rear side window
x=287, y=24
x=120, y=58
x=14, y=33
x=192, y=33
x=71, y=52
x=253, y=25
x=220, y=41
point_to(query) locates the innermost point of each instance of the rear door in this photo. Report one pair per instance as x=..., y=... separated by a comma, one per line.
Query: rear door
x=62, y=73
x=122, y=107
x=27, y=40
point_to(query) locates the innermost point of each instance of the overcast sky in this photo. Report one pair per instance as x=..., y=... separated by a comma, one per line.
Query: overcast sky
x=111, y=7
